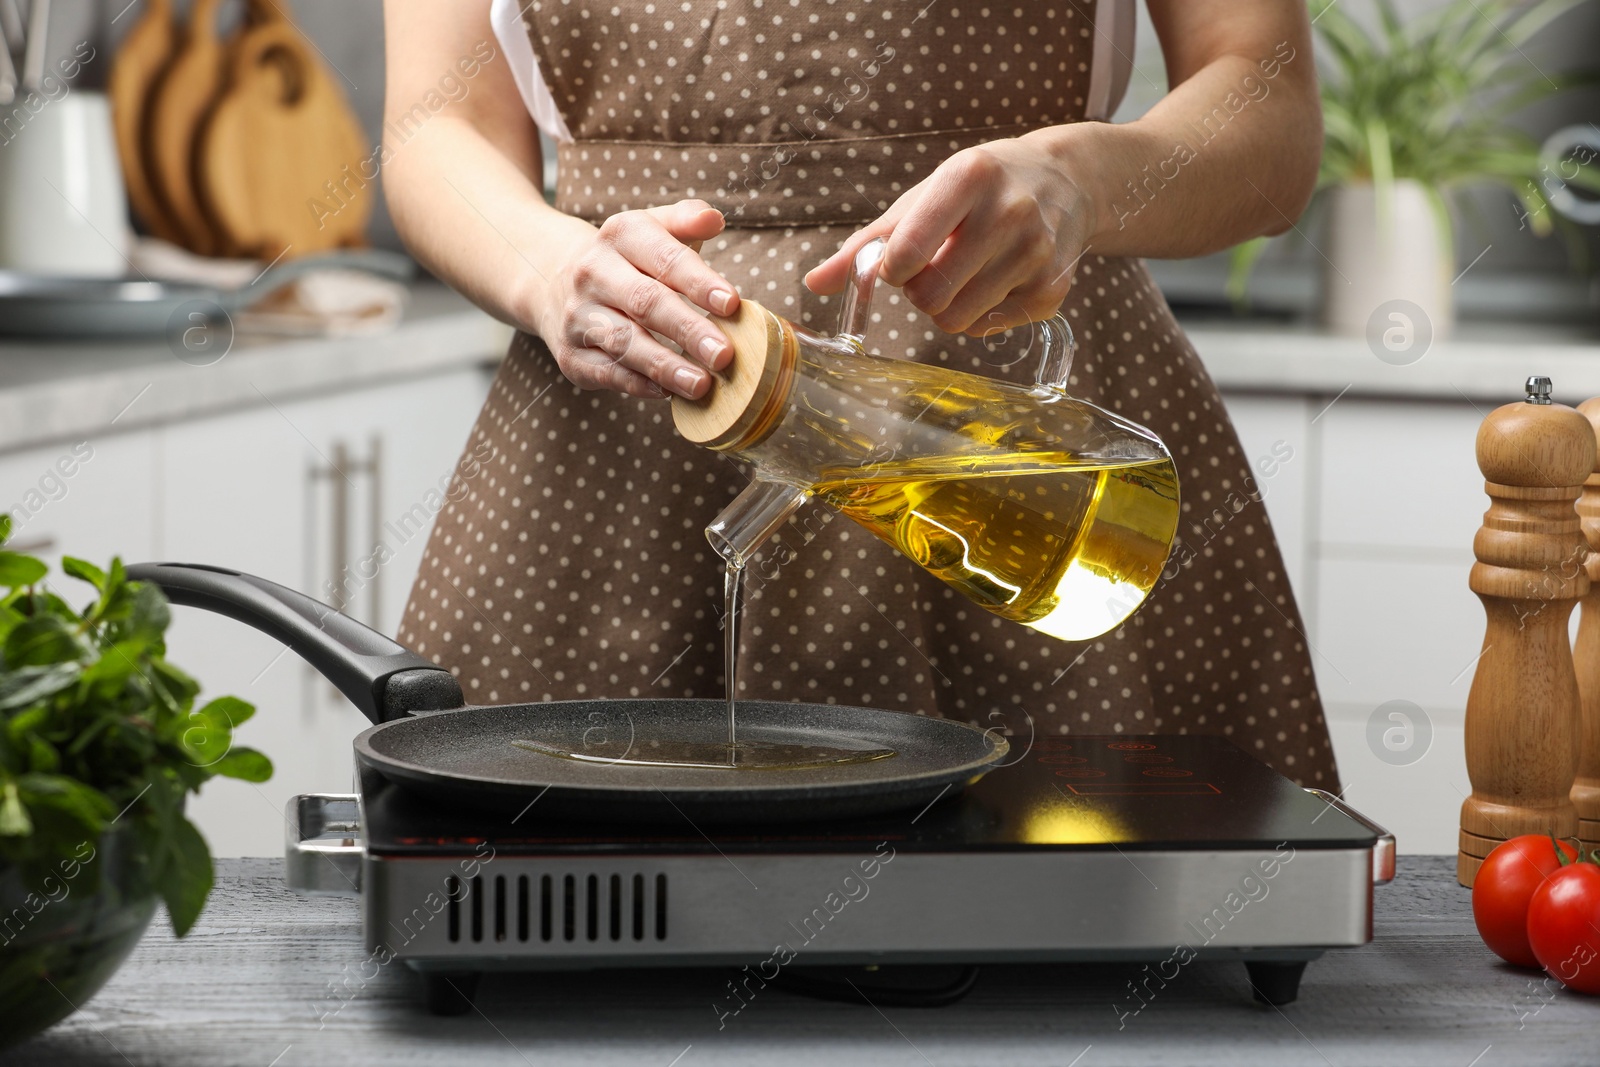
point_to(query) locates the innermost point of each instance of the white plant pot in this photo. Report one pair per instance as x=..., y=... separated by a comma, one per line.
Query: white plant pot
x=1369, y=263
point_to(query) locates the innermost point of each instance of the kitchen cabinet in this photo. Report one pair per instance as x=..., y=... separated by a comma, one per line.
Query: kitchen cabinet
x=90, y=496
x=1376, y=516
x=303, y=493
x=1402, y=475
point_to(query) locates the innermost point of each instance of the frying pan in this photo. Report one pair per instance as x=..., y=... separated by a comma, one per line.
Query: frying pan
x=428, y=741
x=54, y=307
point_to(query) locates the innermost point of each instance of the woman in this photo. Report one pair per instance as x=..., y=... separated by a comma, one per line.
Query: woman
x=713, y=148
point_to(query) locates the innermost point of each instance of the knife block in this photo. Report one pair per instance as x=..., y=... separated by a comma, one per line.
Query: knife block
x=1586, y=655
x=1522, y=711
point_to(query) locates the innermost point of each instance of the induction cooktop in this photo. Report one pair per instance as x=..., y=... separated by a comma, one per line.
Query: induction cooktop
x=1161, y=848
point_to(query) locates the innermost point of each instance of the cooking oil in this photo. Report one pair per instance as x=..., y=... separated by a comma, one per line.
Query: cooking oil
x=775, y=751
x=1066, y=547
x=750, y=754
x=732, y=579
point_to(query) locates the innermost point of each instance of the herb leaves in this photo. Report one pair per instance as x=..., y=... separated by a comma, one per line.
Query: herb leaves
x=98, y=730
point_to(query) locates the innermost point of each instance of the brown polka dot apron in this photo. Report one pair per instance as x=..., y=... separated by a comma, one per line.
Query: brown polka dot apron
x=571, y=561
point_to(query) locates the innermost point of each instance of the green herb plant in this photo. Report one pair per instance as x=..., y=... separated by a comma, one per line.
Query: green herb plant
x=98, y=732
x=1431, y=100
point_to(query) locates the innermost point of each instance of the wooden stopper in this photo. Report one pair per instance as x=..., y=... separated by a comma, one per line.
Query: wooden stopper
x=744, y=397
x=1522, y=710
x=1586, y=656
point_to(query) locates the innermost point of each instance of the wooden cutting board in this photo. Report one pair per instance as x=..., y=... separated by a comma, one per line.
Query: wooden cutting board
x=280, y=162
x=177, y=109
x=140, y=61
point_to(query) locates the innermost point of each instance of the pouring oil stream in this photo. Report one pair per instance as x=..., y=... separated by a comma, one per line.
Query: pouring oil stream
x=731, y=580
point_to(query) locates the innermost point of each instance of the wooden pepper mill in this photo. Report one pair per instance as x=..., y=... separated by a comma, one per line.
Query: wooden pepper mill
x=1586, y=654
x=1522, y=710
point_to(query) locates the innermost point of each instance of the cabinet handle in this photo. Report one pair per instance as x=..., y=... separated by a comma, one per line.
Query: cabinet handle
x=340, y=474
x=339, y=535
x=374, y=471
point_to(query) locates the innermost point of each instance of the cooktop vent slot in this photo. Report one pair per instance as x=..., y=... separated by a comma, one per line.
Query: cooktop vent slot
x=564, y=907
x=661, y=907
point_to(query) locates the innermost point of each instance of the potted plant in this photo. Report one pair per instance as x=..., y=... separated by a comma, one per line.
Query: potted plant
x=1412, y=113
x=100, y=744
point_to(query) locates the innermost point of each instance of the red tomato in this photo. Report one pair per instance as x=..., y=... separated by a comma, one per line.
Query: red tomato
x=1564, y=926
x=1503, y=888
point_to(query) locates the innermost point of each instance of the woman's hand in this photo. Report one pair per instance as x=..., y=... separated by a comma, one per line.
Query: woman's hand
x=987, y=241
x=625, y=283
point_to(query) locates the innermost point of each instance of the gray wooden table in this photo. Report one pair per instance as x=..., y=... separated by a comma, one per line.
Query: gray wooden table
x=268, y=979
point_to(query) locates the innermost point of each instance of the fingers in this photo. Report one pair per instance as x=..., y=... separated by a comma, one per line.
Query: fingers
x=968, y=267
x=1033, y=301
x=979, y=246
x=591, y=369
x=1006, y=315
x=945, y=201
x=690, y=221
x=831, y=274
x=603, y=335
x=629, y=286
x=641, y=266
x=974, y=275
x=609, y=280
x=934, y=248
x=664, y=243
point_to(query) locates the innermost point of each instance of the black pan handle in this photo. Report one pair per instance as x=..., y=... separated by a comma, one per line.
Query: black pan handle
x=384, y=679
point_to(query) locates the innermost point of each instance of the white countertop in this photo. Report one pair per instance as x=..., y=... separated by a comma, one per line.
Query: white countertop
x=1483, y=361
x=54, y=391
x=57, y=390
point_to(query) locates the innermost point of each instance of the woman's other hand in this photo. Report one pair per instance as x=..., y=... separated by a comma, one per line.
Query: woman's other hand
x=624, y=284
x=992, y=237
x=988, y=241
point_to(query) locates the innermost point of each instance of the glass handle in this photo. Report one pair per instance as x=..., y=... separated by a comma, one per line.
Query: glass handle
x=857, y=310
x=752, y=517
x=1055, y=362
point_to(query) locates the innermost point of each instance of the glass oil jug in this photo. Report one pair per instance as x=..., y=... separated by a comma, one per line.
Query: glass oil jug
x=1041, y=508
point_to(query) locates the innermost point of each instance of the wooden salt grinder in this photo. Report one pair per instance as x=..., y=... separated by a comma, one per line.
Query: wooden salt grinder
x=1522, y=710
x=1586, y=655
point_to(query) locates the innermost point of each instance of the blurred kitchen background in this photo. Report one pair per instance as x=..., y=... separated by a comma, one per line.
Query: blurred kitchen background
x=311, y=441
